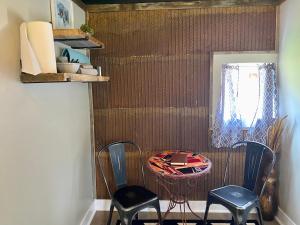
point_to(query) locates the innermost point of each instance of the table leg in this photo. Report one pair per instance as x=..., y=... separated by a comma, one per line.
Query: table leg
x=171, y=206
x=182, y=208
x=184, y=214
x=179, y=199
x=188, y=204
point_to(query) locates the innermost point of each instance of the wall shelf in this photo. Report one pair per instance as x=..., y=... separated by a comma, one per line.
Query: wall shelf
x=61, y=77
x=76, y=39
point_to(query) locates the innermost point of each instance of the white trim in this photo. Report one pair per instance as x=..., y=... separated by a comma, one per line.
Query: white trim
x=283, y=219
x=89, y=215
x=197, y=206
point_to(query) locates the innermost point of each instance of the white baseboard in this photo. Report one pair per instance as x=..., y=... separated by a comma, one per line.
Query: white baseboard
x=197, y=206
x=89, y=215
x=283, y=219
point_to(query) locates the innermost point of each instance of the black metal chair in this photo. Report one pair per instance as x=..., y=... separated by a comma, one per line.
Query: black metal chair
x=128, y=199
x=240, y=200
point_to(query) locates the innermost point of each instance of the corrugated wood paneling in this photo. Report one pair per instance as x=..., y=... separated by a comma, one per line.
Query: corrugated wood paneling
x=159, y=62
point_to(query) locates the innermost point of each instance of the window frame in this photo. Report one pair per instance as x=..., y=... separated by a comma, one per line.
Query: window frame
x=219, y=58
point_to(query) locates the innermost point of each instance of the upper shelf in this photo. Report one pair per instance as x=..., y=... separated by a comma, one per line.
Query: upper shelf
x=76, y=39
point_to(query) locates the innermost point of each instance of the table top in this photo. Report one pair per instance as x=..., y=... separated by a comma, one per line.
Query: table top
x=196, y=164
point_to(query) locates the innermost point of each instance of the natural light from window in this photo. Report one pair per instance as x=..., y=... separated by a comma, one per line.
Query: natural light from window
x=249, y=94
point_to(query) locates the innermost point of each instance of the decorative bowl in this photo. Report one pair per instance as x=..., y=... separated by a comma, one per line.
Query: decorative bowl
x=68, y=67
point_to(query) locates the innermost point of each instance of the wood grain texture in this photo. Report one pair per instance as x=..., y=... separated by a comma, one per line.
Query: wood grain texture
x=159, y=64
x=61, y=77
x=129, y=5
x=76, y=38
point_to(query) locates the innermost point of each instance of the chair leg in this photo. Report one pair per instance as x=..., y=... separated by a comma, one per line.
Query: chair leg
x=261, y=221
x=244, y=220
x=110, y=214
x=157, y=207
x=232, y=221
x=240, y=219
x=208, y=203
x=126, y=219
x=237, y=220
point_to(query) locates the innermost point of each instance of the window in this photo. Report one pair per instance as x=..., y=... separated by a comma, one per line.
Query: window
x=244, y=100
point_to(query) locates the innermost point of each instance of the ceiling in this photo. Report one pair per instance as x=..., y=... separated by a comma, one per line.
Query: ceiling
x=89, y=2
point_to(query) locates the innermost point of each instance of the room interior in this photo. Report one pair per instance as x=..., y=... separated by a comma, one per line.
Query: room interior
x=161, y=85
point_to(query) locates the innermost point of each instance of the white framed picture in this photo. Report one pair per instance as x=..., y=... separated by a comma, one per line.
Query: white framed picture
x=62, y=14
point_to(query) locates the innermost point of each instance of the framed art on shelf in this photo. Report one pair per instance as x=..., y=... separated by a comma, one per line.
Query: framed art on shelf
x=62, y=14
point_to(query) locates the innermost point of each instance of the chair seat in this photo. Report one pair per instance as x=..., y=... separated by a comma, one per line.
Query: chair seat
x=132, y=196
x=235, y=195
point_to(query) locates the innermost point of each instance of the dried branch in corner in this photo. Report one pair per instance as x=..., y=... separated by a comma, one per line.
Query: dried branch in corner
x=274, y=134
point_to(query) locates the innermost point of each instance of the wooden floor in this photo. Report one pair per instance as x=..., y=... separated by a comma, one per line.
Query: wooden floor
x=100, y=217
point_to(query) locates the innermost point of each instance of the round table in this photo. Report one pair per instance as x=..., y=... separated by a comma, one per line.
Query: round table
x=177, y=179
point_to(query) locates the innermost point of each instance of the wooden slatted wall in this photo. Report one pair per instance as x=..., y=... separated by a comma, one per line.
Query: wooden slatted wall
x=159, y=64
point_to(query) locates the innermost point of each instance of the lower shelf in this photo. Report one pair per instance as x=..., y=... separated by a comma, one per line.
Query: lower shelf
x=61, y=77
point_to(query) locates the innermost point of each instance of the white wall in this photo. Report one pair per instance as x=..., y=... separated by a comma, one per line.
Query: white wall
x=290, y=103
x=45, y=163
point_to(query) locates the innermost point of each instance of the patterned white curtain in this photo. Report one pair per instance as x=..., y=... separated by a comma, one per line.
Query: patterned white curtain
x=248, y=104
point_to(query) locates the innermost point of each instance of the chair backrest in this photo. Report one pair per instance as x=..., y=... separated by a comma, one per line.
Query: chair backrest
x=117, y=153
x=259, y=162
x=118, y=162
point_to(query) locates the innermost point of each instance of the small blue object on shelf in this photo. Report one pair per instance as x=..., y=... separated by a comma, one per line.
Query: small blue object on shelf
x=75, y=56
